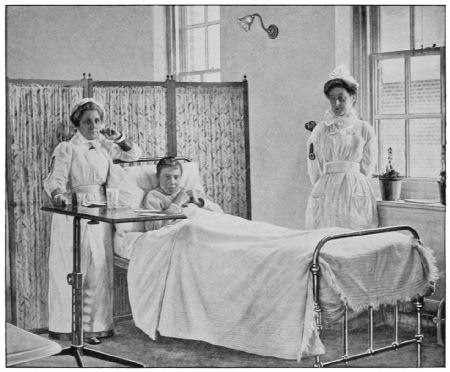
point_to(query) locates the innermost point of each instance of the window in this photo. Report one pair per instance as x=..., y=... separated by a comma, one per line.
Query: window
x=197, y=42
x=407, y=99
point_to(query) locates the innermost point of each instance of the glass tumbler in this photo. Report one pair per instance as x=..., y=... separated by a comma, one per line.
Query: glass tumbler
x=112, y=197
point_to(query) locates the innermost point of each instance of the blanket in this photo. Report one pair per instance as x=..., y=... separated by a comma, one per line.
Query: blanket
x=246, y=285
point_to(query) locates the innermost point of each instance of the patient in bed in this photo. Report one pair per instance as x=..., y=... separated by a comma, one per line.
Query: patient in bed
x=170, y=197
x=246, y=285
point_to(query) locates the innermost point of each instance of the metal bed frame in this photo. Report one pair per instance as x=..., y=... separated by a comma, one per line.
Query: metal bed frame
x=149, y=160
x=315, y=270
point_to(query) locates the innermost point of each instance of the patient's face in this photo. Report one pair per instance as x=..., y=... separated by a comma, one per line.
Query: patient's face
x=169, y=179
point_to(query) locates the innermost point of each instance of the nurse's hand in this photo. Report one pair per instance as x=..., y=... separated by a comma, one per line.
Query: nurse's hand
x=110, y=133
x=60, y=200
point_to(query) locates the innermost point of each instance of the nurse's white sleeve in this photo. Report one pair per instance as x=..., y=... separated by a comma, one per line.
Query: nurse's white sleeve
x=57, y=180
x=314, y=165
x=370, y=151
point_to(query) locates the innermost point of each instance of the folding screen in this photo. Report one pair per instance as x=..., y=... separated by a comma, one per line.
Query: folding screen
x=139, y=110
x=211, y=128
x=38, y=119
x=207, y=122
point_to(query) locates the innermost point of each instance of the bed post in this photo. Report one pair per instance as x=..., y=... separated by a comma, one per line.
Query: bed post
x=315, y=269
x=419, y=335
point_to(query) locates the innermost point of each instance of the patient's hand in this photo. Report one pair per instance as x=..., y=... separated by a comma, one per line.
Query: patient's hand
x=194, y=198
x=182, y=198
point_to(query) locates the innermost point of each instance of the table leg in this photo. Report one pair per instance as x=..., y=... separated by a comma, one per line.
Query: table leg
x=75, y=279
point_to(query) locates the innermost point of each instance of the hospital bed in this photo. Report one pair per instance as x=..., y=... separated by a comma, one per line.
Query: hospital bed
x=141, y=178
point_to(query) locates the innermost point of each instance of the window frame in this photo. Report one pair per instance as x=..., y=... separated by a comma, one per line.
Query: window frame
x=407, y=116
x=366, y=25
x=181, y=28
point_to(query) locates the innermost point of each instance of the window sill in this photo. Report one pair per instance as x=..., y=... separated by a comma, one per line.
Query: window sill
x=404, y=205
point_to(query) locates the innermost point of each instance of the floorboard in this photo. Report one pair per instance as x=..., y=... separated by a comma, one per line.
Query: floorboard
x=132, y=343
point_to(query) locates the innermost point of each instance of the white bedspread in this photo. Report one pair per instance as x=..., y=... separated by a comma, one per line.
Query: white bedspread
x=247, y=286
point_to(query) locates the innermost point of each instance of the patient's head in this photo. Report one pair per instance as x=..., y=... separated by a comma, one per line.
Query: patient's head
x=168, y=172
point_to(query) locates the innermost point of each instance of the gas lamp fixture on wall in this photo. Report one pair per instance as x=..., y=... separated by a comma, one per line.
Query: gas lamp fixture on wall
x=246, y=22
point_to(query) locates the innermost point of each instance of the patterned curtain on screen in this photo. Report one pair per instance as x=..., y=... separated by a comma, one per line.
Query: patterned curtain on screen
x=139, y=112
x=38, y=119
x=210, y=130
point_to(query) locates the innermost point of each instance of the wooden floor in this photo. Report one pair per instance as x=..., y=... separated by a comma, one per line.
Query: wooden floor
x=133, y=344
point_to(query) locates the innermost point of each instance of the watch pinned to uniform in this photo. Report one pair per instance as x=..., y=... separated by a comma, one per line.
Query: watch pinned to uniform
x=310, y=125
x=311, y=155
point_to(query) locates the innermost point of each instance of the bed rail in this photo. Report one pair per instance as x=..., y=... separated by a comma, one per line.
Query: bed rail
x=315, y=270
x=150, y=160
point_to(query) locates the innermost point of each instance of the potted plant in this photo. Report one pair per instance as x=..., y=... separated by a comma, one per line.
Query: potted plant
x=390, y=181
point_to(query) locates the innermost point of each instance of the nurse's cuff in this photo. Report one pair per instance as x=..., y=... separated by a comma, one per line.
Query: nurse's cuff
x=123, y=143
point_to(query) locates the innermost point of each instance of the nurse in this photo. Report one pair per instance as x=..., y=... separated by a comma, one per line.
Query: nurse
x=81, y=166
x=342, y=154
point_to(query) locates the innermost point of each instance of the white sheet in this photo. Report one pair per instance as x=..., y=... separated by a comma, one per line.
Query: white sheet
x=246, y=285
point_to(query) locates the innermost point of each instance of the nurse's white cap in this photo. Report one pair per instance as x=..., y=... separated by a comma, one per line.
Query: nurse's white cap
x=84, y=101
x=342, y=72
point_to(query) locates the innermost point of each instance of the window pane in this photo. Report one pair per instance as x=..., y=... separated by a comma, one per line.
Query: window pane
x=191, y=77
x=394, y=28
x=213, y=13
x=391, y=86
x=425, y=84
x=214, y=47
x=392, y=134
x=196, y=51
x=195, y=14
x=429, y=26
x=425, y=147
x=211, y=76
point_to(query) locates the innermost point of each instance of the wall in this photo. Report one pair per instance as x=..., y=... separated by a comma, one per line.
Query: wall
x=62, y=42
x=285, y=74
x=343, y=36
x=160, y=69
x=286, y=77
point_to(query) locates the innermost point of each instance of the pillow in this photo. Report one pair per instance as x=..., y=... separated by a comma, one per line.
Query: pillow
x=191, y=177
x=142, y=176
x=129, y=194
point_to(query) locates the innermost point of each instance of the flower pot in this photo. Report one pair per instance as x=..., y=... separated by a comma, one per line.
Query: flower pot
x=390, y=188
x=442, y=191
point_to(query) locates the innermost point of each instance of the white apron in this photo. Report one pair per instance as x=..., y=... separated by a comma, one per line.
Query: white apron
x=343, y=157
x=82, y=166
